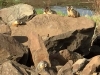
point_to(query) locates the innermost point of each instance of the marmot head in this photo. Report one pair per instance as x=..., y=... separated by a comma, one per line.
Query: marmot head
x=46, y=9
x=42, y=65
x=70, y=8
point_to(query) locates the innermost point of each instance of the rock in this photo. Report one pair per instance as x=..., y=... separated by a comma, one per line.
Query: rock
x=60, y=32
x=5, y=29
x=66, y=69
x=58, y=68
x=13, y=68
x=17, y=14
x=92, y=66
x=38, y=49
x=78, y=65
x=64, y=56
x=94, y=74
x=9, y=69
x=12, y=50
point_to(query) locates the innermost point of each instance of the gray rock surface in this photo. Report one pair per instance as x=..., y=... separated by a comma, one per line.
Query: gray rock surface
x=20, y=12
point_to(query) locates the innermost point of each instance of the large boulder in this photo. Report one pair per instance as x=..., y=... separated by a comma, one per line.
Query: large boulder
x=10, y=49
x=60, y=32
x=20, y=12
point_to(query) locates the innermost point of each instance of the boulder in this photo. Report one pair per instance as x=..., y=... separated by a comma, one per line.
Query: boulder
x=63, y=56
x=60, y=32
x=10, y=49
x=20, y=13
x=38, y=49
x=13, y=68
x=92, y=66
x=79, y=65
x=66, y=69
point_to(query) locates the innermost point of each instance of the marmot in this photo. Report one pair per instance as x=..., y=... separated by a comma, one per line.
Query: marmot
x=72, y=12
x=42, y=65
x=47, y=10
x=23, y=20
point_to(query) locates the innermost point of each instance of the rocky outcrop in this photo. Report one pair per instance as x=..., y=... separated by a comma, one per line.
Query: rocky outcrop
x=48, y=45
x=60, y=32
x=20, y=13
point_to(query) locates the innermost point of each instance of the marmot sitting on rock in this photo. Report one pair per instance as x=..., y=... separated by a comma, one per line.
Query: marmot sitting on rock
x=47, y=10
x=42, y=65
x=72, y=12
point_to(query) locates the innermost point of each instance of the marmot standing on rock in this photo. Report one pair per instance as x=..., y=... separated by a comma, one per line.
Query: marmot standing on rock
x=47, y=10
x=72, y=12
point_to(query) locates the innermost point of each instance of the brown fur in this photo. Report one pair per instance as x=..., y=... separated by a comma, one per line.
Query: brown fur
x=72, y=12
x=47, y=10
x=41, y=66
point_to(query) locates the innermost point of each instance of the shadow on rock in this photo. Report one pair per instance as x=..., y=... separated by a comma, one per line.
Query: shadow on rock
x=21, y=39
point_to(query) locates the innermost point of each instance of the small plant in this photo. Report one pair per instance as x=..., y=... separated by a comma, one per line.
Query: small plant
x=61, y=13
x=39, y=11
x=95, y=18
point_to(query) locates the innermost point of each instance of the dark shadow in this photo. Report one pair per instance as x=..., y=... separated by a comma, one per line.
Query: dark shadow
x=27, y=59
x=60, y=44
x=30, y=60
x=97, y=41
x=22, y=24
x=21, y=39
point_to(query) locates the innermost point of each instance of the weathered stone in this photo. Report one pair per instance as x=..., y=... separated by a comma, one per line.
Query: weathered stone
x=66, y=69
x=38, y=49
x=13, y=68
x=60, y=32
x=12, y=50
x=5, y=29
x=91, y=67
x=58, y=68
x=95, y=74
x=8, y=68
x=18, y=13
x=64, y=56
x=78, y=65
